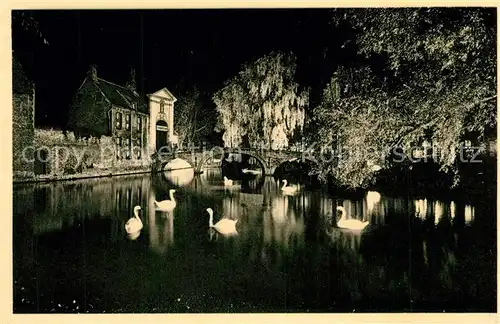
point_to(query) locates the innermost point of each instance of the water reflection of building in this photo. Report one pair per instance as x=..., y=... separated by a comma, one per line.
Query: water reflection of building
x=60, y=204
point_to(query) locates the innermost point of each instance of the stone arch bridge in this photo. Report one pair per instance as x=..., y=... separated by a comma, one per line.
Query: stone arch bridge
x=269, y=160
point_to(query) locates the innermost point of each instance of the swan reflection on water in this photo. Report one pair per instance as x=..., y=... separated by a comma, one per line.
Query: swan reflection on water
x=160, y=226
x=348, y=240
x=274, y=233
x=161, y=230
x=134, y=236
x=214, y=234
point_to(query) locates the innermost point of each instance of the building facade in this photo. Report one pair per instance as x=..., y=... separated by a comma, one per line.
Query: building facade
x=161, y=116
x=139, y=126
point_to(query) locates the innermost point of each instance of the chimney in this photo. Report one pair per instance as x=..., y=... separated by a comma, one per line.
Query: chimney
x=92, y=72
x=131, y=83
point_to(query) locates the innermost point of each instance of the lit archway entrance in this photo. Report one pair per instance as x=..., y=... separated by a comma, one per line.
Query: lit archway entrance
x=161, y=134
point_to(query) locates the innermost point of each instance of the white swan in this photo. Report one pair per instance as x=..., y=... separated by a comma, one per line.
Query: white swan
x=167, y=205
x=353, y=224
x=223, y=226
x=290, y=189
x=227, y=182
x=134, y=224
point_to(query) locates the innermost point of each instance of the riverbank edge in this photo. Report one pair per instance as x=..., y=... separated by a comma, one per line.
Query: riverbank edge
x=98, y=174
x=65, y=177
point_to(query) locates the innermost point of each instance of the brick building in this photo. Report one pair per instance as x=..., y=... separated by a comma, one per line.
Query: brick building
x=138, y=127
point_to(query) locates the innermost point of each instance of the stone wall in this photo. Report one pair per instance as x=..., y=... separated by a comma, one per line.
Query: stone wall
x=23, y=129
x=67, y=155
x=23, y=121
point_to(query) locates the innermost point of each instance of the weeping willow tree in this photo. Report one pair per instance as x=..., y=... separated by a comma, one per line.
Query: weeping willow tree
x=262, y=104
x=438, y=84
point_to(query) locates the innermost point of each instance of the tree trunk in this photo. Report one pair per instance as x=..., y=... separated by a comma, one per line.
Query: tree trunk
x=194, y=122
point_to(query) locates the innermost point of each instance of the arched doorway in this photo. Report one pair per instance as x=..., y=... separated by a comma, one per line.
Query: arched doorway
x=161, y=134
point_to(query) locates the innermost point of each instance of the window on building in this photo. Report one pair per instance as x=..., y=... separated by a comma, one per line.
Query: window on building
x=118, y=120
x=127, y=121
x=127, y=149
x=139, y=123
x=118, y=147
x=162, y=106
x=138, y=148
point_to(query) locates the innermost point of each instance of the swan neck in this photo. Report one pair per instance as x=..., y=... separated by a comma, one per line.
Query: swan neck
x=211, y=219
x=171, y=196
x=284, y=184
x=342, y=213
x=136, y=214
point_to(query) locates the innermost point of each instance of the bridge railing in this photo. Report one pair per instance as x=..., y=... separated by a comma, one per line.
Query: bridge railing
x=235, y=150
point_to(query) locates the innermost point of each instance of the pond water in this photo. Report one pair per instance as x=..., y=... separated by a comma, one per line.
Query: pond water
x=71, y=252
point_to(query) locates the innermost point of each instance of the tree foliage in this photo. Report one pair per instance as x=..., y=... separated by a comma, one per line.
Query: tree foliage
x=438, y=82
x=88, y=112
x=262, y=103
x=25, y=21
x=194, y=121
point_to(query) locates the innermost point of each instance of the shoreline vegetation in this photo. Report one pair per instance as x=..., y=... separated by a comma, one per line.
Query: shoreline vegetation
x=419, y=180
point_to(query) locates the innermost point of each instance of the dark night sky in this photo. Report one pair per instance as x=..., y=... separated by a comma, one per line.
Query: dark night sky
x=200, y=47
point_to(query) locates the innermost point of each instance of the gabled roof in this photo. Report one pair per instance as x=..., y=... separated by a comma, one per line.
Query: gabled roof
x=121, y=96
x=163, y=93
x=118, y=95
